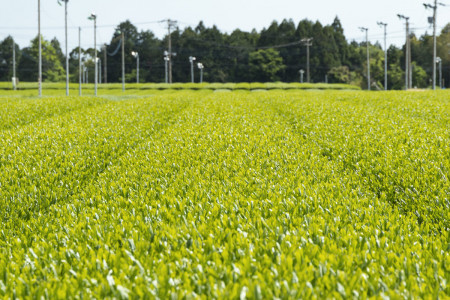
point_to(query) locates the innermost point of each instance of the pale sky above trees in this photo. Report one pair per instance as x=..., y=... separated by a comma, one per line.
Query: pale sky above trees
x=19, y=17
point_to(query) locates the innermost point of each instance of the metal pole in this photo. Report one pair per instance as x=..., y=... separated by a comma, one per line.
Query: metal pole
x=105, y=62
x=192, y=71
x=79, y=61
x=14, y=65
x=99, y=70
x=40, y=50
x=137, y=63
x=67, y=52
x=308, y=76
x=165, y=66
x=201, y=75
x=408, y=73
x=123, y=61
x=434, y=43
x=407, y=56
x=385, y=59
x=409, y=60
x=95, y=50
x=368, y=59
x=301, y=75
x=385, y=54
x=170, y=53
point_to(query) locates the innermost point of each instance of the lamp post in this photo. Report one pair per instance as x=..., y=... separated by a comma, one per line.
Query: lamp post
x=191, y=60
x=439, y=61
x=67, y=53
x=79, y=60
x=14, y=80
x=434, y=8
x=136, y=55
x=99, y=62
x=301, y=75
x=408, y=69
x=93, y=17
x=201, y=67
x=385, y=54
x=166, y=62
x=40, y=50
x=368, y=55
x=308, y=43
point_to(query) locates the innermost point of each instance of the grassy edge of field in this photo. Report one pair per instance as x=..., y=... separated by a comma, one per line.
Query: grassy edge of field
x=187, y=86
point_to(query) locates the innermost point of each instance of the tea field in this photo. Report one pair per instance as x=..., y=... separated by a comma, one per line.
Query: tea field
x=200, y=194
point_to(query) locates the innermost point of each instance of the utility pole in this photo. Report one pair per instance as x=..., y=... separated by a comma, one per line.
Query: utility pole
x=79, y=61
x=368, y=55
x=14, y=65
x=439, y=61
x=408, y=77
x=308, y=43
x=94, y=18
x=191, y=60
x=136, y=55
x=434, y=8
x=201, y=67
x=123, y=61
x=40, y=50
x=99, y=70
x=385, y=55
x=170, y=24
x=67, y=52
x=166, y=62
x=105, y=68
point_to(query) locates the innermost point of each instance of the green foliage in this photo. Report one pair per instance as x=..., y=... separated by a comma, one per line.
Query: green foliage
x=265, y=65
x=197, y=194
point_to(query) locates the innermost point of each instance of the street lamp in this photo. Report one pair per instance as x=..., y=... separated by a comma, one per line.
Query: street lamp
x=40, y=50
x=99, y=62
x=201, y=67
x=408, y=66
x=136, y=55
x=385, y=53
x=93, y=17
x=191, y=60
x=439, y=61
x=67, y=53
x=301, y=75
x=368, y=55
x=166, y=62
x=434, y=8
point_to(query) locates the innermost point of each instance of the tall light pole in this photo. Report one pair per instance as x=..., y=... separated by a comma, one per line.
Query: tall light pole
x=170, y=24
x=408, y=70
x=301, y=75
x=79, y=61
x=105, y=55
x=439, y=61
x=434, y=8
x=122, y=37
x=40, y=50
x=308, y=43
x=166, y=62
x=368, y=55
x=14, y=65
x=191, y=60
x=136, y=55
x=385, y=54
x=201, y=67
x=93, y=17
x=99, y=61
x=67, y=52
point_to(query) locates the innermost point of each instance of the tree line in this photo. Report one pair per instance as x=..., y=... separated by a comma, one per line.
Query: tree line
x=273, y=54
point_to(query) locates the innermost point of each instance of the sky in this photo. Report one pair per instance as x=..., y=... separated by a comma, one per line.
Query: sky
x=19, y=18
